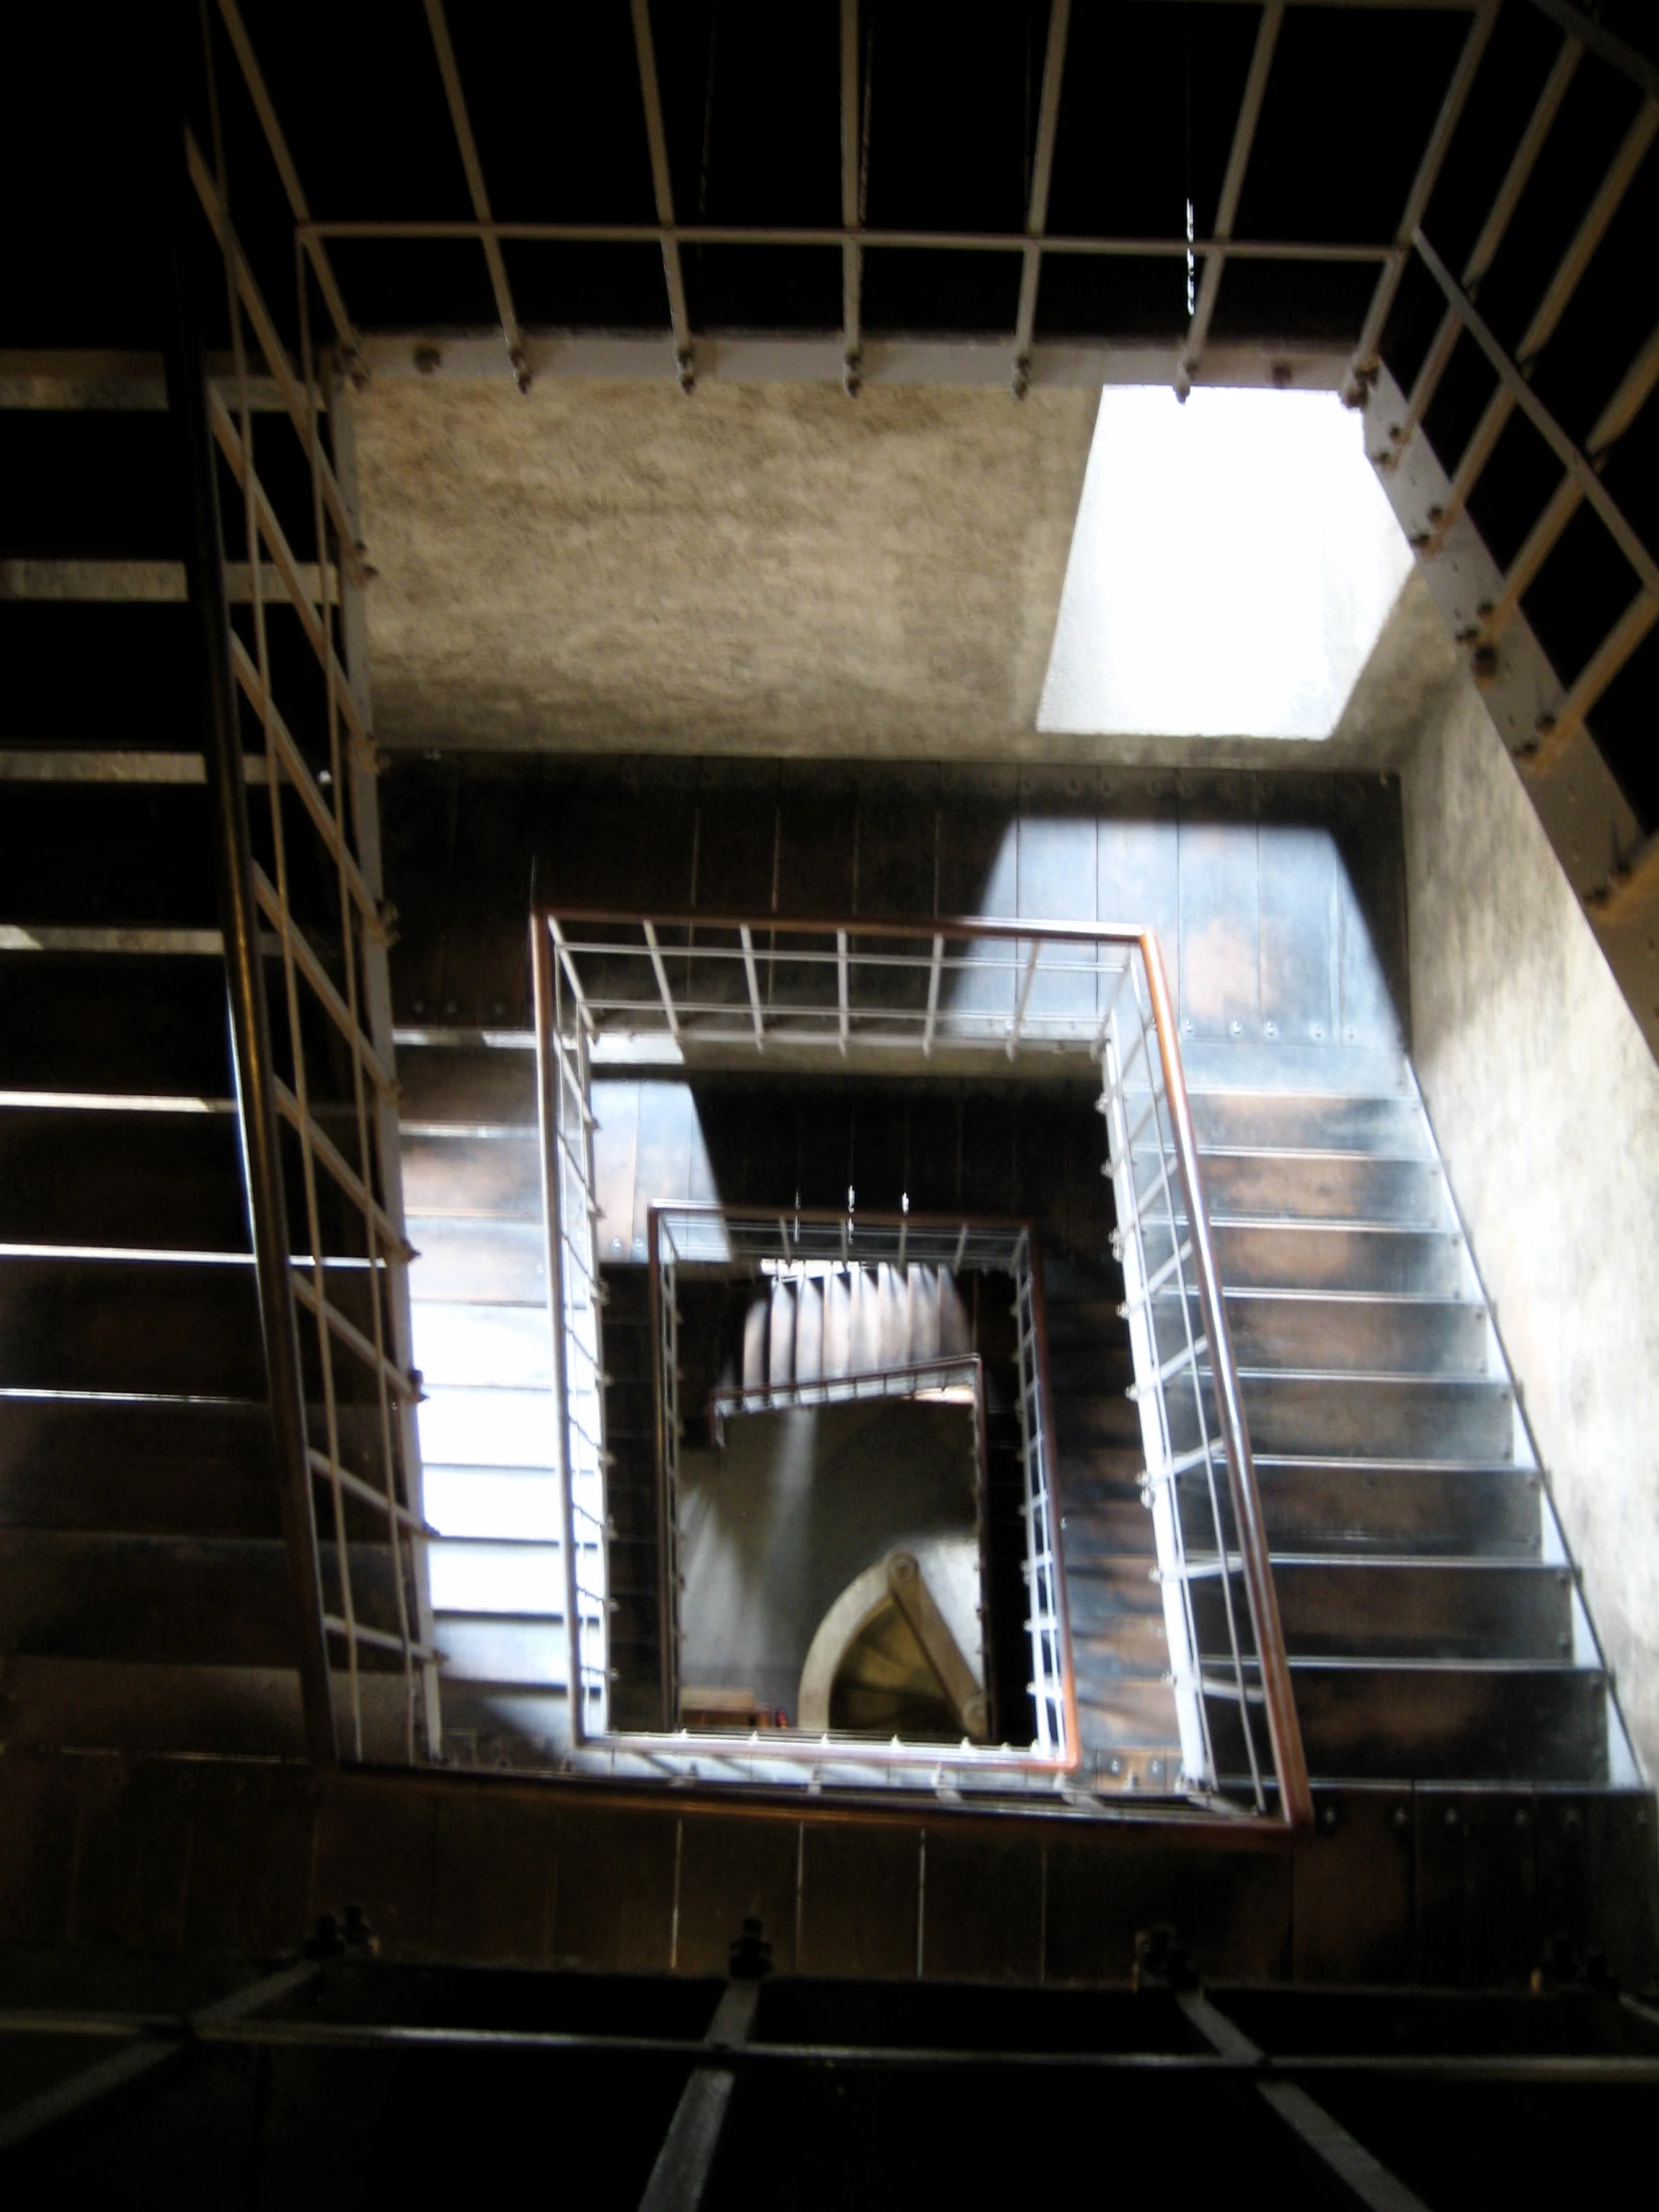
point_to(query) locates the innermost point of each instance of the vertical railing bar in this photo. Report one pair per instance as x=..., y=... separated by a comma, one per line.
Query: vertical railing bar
x=748, y=938
x=546, y=984
x=1113, y=1065
x=251, y=495
x=1284, y=1729
x=377, y=991
x=1178, y=1537
x=851, y=208
x=353, y=945
x=248, y=1010
x=661, y=973
x=1024, y=997
x=935, y=969
x=841, y=986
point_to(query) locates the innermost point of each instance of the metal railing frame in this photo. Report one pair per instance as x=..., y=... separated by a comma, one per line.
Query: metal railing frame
x=335, y=975
x=845, y=1240
x=1106, y=954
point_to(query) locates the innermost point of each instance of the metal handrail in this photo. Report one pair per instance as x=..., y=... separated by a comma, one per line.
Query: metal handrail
x=1284, y=1727
x=913, y=1378
x=1028, y=940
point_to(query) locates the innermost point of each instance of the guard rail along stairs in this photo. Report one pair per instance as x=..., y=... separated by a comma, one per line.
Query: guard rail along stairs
x=944, y=996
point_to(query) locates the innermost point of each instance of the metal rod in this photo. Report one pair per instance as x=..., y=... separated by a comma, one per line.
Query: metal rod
x=1520, y=391
x=663, y=188
x=1042, y=169
x=188, y=402
x=754, y=982
x=66, y=2100
x=1422, y=186
x=1592, y=679
x=1547, y=315
x=1284, y=1727
x=1484, y=250
x=265, y=109
x=676, y=235
x=265, y=330
x=442, y=45
x=1641, y=69
x=1238, y=161
x=851, y=210
x=548, y=1047
x=935, y=968
x=1023, y=1001
x=661, y=973
x=1364, y=2177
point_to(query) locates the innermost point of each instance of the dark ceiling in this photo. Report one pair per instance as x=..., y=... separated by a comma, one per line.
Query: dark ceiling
x=694, y=166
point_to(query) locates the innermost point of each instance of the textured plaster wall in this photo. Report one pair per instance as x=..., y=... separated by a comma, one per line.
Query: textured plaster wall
x=767, y=569
x=1546, y=1099
x=756, y=568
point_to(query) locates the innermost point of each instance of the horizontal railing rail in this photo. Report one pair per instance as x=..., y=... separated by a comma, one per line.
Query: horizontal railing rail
x=728, y=983
x=953, y=1378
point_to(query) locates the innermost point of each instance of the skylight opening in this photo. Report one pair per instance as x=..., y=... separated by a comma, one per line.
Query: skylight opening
x=1232, y=567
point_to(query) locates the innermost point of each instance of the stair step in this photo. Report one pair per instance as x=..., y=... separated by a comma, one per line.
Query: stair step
x=467, y=1086
x=1298, y=1256
x=492, y=1263
x=1341, y=1330
x=1393, y=1127
x=170, y=1600
x=147, y=1467
x=1086, y=1424
x=1323, y=1186
x=1363, y=1721
x=216, y=1711
x=1125, y=1712
x=464, y=1172
x=1379, y=1505
x=1111, y=1528
x=1409, y=1609
x=1318, y=1415
x=459, y=1342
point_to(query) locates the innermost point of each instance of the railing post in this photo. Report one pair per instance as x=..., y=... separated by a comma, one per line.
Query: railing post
x=1283, y=1728
x=548, y=1078
x=187, y=399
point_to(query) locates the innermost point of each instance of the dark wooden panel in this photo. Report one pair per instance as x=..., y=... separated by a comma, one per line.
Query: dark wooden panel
x=1219, y=930
x=860, y=1896
x=983, y=1909
x=467, y=1085
x=147, y=1326
x=816, y=815
x=166, y=1600
x=161, y=1181
x=90, y=485
x=147, y=1467
x=105, y=674
x=474, y=1174
x=108, y=854
x=130, y=1023
x=977, y=838
x=169, y=1600
x=897, y=835
x=737, y=828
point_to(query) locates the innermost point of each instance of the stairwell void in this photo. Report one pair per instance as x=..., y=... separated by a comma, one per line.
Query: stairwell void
x=1432, y=1622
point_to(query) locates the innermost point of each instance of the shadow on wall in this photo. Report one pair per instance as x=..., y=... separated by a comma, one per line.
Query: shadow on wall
x=1279, y=902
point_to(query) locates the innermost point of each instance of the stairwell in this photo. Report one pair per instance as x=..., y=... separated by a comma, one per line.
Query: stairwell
x=1430, y=1611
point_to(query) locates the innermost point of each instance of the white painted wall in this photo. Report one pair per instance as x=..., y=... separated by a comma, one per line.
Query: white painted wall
x=1546, y=1100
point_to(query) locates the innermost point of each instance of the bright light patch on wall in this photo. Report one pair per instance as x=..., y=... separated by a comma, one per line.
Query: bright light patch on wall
x=1233, y=564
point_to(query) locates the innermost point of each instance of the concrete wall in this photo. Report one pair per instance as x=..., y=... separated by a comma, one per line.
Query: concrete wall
x=1546, y=1100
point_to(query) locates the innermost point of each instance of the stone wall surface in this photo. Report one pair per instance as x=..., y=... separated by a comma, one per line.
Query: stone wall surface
x=1546, y=1100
